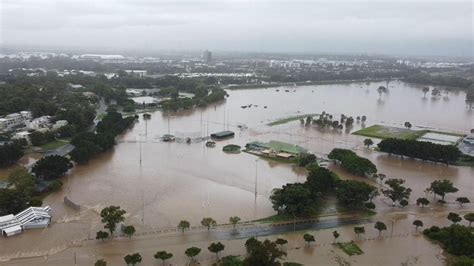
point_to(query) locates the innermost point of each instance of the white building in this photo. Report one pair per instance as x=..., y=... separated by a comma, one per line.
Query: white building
x=40, y=122
x=14, y=120
x=59, y=124
x=469, y=139
x=31, y=218
x=136, y=73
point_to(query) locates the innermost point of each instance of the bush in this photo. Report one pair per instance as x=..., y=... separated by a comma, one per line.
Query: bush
x=36, y=202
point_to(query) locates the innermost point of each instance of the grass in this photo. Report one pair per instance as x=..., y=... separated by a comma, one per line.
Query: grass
x=289, y=119
x=54, y=144
x=350, y=248
x=385, y=132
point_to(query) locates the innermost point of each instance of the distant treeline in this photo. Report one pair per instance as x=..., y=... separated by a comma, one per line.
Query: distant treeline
x=449, y=81
x=427, y=151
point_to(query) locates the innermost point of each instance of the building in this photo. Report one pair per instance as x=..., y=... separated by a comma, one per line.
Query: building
x=22, y=135
x=59, y=124
x=276, y=149
x=469, y=139
x=223, y=135
x=136, y=73
x=207, y=56
x=40, y=122
x=14, y=120
x=31, y=218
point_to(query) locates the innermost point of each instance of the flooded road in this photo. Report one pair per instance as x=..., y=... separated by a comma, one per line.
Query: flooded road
x=178, y=181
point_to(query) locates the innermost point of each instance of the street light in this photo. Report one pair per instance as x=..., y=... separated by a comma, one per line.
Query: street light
x=256, y=172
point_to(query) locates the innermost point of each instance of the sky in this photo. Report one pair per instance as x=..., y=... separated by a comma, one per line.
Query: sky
x=411, y=27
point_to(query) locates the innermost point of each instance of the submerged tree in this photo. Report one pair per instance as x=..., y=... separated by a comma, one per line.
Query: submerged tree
x=380, y=226
x=417, y=223
x=183, y=225
x=163, y=256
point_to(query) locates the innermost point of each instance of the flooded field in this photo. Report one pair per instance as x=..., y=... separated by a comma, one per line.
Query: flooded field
x=159, y=183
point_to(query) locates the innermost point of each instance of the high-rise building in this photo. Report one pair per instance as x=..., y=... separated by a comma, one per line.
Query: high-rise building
x=207, y=56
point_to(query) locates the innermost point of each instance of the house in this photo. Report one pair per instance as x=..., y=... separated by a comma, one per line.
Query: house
x=223, y=135
x=22, y=135
x=31, y=218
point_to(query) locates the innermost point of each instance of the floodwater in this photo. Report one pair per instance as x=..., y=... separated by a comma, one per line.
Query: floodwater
x=159, y=184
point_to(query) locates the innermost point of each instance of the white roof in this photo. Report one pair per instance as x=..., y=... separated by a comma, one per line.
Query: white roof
x=6, y=218
x=12, y=229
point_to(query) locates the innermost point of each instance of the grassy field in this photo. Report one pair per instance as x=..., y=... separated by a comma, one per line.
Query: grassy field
x=54, y=144
x=385, y=132
x=289, y=119
x=350, y=248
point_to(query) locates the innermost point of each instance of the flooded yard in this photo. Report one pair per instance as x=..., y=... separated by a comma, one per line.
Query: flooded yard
x=160, y=183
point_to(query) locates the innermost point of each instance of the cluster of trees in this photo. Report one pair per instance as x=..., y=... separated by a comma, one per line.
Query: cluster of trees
x=201, y=99
x=421, y=150
x=10, y=153
x=39, y=138
x=51, y=167
x=455, y=239
x=88, y=144
x=300, y=199
x=353, y=163
x=19, y=194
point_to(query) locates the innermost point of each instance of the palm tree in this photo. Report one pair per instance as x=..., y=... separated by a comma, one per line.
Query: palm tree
x=234, y=220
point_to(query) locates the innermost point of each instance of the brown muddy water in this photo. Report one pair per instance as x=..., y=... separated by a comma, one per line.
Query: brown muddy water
x=177, y=181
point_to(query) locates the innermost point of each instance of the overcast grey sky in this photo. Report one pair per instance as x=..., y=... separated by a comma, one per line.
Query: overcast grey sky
x=392, y=27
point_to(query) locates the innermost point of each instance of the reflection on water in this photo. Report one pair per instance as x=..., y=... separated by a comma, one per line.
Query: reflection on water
x=177, y=181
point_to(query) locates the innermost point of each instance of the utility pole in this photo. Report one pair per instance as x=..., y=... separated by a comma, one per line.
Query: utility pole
x=140, y=145
x=256, y=172
x=143, y=210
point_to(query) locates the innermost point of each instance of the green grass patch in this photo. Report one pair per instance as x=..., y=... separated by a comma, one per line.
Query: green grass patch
x=289, y=119
x=231, y=148
x=54, y=144
x=385, y=132
x=350, y=248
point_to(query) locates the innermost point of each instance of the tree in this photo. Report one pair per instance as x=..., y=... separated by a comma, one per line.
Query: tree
x=368, y=142
x=380, y=226
x=454, y=217
x=129, y=230
x=208, y=222
x=281, y=242
x=469, y=217
x=231, y=261
x=133, y=258
x=216, y=248
x=381, y=90
x=352, y=162
x=359, y=230
x=10, y=154
x=294, y=199
x=470, y=98
x=462, y=200
x=417, y=223
x=183, y=225
x=336, y=235
x=234, y=220
x=163, y=256
x=192, y=252
x=51, y=167
x=423, y=202
x=397, y=192
x=425, y=91
x=403, y=203
x=442, y=187
x=407, y=125
x=101, y=235
x=308, y=238
x=264, y=253
x=354, y=193
x=100, y=262
x=111, y=216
